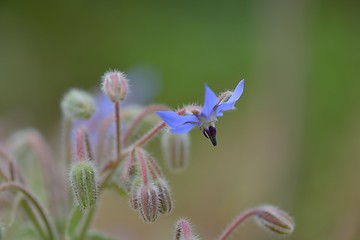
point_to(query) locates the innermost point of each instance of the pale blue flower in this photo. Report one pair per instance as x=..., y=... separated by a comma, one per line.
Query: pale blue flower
x=205, y=119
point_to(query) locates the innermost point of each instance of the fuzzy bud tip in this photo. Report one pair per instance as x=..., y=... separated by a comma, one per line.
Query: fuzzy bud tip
x=148, y=200
x=275, y=220
x=165, y=199
x=183, y=230
x=115, y=85
x=78, y=104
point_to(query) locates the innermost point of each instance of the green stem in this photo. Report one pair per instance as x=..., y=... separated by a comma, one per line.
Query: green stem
x=34, y=201
x=90, y=215
x=86, y=225
x=29, y=211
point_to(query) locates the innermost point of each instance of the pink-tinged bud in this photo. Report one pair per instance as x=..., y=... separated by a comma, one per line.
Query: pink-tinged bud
x=183, y=230
x=275, y=220
x=148, y=199
x=115, y=85
x=165, y=200
x=176, y=149
x=78, y=104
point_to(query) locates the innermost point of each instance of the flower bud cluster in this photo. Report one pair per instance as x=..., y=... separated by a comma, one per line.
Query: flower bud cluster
x=149, y=194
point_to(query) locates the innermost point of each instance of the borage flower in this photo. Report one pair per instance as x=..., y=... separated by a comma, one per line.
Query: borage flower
x=206, y=118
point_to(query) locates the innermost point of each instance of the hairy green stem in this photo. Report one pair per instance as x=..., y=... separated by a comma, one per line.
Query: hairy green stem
x=29, y=211
x=85, y=227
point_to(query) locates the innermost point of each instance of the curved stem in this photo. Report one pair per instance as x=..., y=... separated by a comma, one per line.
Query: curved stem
x=12, y=166
x=129, y=162
x=29, y=211
x=145, y=112
x=240, y=219
x=34, y=201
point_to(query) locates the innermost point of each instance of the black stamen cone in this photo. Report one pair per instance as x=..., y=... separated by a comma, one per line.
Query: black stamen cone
x=211, y=134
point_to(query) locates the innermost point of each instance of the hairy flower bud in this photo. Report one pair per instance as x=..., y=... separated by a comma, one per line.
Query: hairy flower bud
x=148, y=199
x=115, y=85
x=176, y=149
x=133, y=194
x=275, y=220
x=78, y=104
x=165, y=200
x=83, y=183
x=183, y=230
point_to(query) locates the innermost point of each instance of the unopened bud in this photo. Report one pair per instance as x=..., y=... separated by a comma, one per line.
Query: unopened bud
x=83, y=183
x=275, y=220
x=148, y=199
x=78, y=104
x=115, y=85
x=183, y=230
x=165, y=200
x=176, y=149
x=133, y=194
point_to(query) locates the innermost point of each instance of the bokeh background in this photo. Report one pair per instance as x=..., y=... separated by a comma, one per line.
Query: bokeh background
x=293, y=141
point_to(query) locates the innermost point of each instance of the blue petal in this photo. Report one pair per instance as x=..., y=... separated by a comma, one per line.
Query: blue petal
x=229, y=104
x=237, y=92
x=174, y=120
x=224, y=107
x=210, y=100
x=183, y=128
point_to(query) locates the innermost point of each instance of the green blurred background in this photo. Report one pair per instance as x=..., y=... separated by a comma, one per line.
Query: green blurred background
x=293, y=141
